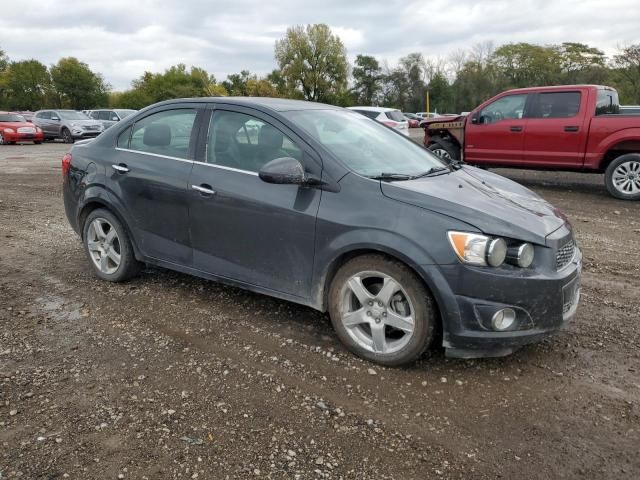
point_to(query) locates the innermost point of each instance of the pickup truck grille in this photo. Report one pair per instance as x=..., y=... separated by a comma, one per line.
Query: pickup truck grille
x=565, y=254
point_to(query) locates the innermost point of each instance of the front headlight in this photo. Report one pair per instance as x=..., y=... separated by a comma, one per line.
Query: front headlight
x=9, y=130
x=482, y=250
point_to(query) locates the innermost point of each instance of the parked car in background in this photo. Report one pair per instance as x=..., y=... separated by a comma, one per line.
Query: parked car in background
x=14, y=128
x=28, y=116
x=630, y=109
x=109, y=117
x=69, y=125
x=331, y=210
x=414, y=120
x=391, y=117
x=427, y=115
x=568, y=127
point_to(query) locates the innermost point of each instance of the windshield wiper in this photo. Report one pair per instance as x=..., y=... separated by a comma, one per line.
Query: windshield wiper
x=390, y=177
x=431, y=171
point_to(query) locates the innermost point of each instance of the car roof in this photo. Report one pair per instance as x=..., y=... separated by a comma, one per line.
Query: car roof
x=276, y=104
x=375, y=109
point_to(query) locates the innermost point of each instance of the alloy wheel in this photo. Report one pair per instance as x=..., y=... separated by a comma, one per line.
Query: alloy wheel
x=103, y=244
x=626, y=177
x=442, y=153
x=377, y=312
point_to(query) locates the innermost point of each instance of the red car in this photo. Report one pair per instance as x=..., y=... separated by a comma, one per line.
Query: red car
x=14, y=128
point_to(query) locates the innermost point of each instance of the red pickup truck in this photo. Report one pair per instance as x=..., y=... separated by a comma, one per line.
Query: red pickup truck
x=569, y=127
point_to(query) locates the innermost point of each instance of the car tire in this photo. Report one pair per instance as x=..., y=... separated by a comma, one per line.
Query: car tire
x=66, y=136
x=396, y=331
x=108, y=248
x=37, y=142
x=445, y=150
x=622, y=177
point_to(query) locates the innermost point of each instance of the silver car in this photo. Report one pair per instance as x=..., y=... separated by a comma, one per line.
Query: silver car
x=69, y=125
x=108, y=117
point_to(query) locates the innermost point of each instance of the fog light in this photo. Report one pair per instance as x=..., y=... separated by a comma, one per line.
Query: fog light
x=503, y=319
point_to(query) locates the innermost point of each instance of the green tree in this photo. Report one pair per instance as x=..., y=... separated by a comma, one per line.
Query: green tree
x=77, y=86
x=236, y=83
x=367, y=79
x=441, y=98
x=26, y=84
x=627, y=73
x=527, y=65
x=581, y=63
x=4, y=61
x=313, y=60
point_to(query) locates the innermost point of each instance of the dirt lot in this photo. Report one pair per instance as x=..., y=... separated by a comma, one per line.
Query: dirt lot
x=169, y=376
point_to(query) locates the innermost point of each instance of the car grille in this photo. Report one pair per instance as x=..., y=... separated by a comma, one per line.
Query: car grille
x=91, y=127
x=26, y=130
x=565, y=254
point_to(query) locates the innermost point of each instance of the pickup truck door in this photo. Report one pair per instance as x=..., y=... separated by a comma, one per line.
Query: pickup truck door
x=495, y=133
x=557, y=130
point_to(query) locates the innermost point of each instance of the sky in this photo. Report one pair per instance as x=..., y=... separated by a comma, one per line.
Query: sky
x=124, y=38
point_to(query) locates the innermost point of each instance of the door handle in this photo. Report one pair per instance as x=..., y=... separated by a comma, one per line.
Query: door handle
x=204, y=189
x=571, y=128
x=515, y=128
x=122, y=168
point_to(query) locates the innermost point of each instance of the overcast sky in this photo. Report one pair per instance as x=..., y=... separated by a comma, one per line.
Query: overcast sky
x=123, y=38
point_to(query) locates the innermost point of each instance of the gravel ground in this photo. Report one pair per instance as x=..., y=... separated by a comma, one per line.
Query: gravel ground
x=169, y=376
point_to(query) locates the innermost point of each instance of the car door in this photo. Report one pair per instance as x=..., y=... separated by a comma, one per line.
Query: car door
x=241, y=227
x=556, y=130
x=495, y=133
x=149, y=174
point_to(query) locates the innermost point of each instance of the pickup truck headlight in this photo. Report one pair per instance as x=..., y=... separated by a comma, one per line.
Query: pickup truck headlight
x=482, y=250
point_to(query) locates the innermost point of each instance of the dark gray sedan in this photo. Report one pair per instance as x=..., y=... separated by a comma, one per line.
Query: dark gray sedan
x=327, y=208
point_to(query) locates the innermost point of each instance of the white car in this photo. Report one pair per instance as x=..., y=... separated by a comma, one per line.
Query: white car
x=391, y=117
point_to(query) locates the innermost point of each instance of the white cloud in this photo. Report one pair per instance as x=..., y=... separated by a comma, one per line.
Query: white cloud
x=123, y=38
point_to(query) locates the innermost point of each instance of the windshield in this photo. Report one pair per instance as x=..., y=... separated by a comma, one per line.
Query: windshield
x=11, y=117
x=72, y=115
x=368, y=148
x=124, y=113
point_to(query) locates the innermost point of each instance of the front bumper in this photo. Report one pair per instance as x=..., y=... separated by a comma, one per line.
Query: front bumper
x=86, y=133
x=23, y=137
x=544, y=301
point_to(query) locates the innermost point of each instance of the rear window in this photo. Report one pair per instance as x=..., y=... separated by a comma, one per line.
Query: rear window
x=607, y=102
x=368, y=113
x=396, y=116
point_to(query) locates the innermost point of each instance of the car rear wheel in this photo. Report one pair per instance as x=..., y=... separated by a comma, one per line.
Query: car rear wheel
x=2, y=142
x=622, y=177
x=381, y=310
x=66, y=136
x=108, y=247
x=445, y=150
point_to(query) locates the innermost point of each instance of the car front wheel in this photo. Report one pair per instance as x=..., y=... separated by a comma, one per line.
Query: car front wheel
x=66, y=136
x=108, y=247
x=381, y=310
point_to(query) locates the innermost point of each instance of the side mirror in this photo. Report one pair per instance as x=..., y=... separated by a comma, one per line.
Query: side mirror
x=474, y=119
x=56, y=119
x=283, y=171
x=115, y=119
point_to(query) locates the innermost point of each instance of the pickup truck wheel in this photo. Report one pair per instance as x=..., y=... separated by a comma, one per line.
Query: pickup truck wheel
x=445, y=150
x=622, y=177
x=381, y=310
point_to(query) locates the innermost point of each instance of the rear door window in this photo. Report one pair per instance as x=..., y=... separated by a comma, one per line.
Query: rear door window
x=395, y=116
x=165, y=133
x=556, y=105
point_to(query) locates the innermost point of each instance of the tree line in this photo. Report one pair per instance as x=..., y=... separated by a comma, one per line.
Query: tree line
x=312, y=64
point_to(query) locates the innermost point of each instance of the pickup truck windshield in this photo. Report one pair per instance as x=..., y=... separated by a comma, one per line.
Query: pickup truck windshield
x=368, y=148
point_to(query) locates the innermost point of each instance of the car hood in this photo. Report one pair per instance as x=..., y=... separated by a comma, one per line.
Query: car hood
x=493, y=204
x=16, y=124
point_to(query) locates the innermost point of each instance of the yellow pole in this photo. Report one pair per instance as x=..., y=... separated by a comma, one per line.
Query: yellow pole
x=427, y=109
